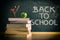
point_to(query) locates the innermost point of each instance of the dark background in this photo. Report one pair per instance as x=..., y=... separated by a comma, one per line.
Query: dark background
x=27, y=7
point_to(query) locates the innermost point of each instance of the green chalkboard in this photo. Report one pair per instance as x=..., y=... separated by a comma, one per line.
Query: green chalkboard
x=44, y=15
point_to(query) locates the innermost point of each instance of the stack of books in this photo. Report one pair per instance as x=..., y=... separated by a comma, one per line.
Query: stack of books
x=18, y=26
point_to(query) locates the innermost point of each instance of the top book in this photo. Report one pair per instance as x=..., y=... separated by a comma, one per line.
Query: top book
x=18, y=20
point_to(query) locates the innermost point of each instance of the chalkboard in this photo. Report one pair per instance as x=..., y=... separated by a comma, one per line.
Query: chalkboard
x=44, y=15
